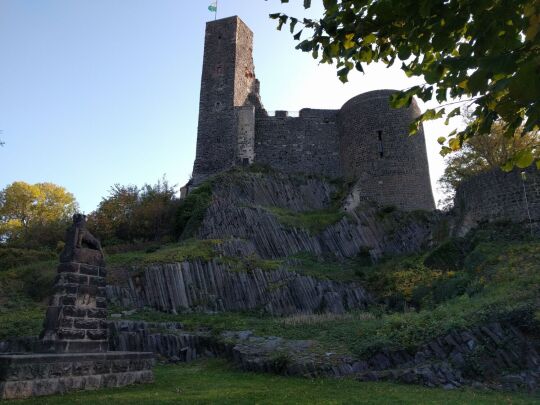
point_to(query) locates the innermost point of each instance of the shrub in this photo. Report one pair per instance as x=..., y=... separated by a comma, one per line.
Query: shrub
x=131, y=214
x=13, y=257
x=190, y=213
x=448, y=256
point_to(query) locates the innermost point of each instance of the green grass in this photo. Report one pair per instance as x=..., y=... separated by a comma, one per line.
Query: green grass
x=215, y=382
x=310, y=265
x=24, y=320
x=313, y=221
x=191, y=249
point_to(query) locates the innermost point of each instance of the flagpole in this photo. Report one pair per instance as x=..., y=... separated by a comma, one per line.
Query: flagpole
x=215, y=14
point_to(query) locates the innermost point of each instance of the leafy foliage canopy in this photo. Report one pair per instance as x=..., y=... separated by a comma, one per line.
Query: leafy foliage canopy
x=483, y=51
x=34, y=213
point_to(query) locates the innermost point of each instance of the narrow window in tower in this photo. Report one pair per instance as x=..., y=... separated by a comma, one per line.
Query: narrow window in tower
x=381, y=149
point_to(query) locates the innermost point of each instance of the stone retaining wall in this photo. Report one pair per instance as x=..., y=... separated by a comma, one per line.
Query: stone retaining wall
x=28, y=375
x=496, y=196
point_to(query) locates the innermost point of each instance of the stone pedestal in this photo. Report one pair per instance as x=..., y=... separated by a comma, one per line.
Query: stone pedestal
x=28, y=375
x=71, y=353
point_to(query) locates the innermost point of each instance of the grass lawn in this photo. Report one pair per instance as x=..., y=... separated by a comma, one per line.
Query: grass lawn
x=215, y=382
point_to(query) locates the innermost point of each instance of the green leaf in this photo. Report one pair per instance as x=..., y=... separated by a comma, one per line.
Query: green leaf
x=453, y=113
x=366, y=55
x=404, y=53
x=434, y=74
x=455, y=144
x=524, y=158
x=307, y=3
x=445, y=150
x=329, y=4
x=297, y=35
x=348, y=42
x=431, y=114
x=400, y=100
x=369, y=39
x=343, y=73
x=333, y=49
x=441, y=140
x=305, y=46
x=293, y=23
x=282, y=20
x=508, y=166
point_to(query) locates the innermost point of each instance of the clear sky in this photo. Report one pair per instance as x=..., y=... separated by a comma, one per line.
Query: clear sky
x=98, y=92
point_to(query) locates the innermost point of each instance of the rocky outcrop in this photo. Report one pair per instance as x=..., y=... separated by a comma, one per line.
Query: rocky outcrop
x=212, y=286
x=242, y=208
x=491, y=356
x=488, y=353
x=275, y=189
x=168, y=340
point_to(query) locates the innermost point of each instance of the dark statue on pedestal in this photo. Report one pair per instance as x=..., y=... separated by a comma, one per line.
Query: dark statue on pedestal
x=72, y=351
x=76, y=317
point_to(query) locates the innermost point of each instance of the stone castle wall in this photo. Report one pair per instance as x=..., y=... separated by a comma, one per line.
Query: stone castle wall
x=497, y=195
x=308, y=143
x=365, y=140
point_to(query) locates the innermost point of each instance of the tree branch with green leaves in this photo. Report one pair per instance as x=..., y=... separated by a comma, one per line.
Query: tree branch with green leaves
x=481, y=51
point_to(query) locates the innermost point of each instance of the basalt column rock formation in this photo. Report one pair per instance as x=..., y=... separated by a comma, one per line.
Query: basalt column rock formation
x=211, y=286
x=72, y=352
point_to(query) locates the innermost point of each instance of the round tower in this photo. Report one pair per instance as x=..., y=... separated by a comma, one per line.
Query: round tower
x=391, y=167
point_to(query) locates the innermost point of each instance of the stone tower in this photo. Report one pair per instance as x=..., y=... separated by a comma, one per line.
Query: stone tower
x=229, y=93
x=390, y=166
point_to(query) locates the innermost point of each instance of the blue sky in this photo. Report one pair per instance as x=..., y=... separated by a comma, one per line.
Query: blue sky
x=98, y=92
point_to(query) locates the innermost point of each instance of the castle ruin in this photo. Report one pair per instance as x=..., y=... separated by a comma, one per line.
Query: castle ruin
x=366, y=140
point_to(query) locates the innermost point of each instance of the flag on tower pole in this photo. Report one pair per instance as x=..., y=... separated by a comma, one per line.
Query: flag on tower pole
x=213, y=8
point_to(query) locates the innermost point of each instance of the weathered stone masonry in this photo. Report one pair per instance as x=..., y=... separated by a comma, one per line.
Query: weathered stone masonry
x=496, y=195
x=365, y=140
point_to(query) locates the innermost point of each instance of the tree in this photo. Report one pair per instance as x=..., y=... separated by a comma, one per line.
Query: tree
x=111, y=220
x=483, y=153
x=486, y=52
x=130, y=213
x=31, y=214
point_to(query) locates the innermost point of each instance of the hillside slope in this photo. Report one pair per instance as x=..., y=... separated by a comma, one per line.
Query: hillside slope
x=299, y=258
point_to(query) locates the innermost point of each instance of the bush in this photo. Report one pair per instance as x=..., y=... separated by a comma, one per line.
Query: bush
x=449, y=256
x=190, y=213
x=13, y=257
x=132, y=214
